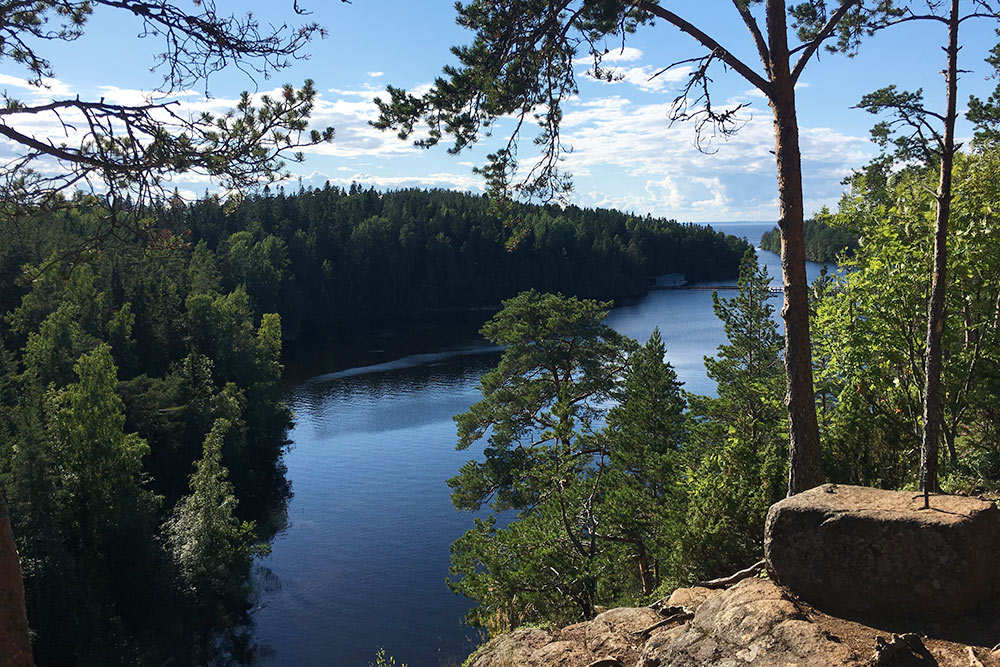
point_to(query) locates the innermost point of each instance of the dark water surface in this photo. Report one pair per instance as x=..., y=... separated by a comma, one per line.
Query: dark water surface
x=363, y=561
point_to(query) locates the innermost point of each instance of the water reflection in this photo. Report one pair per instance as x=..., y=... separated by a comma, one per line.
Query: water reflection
x=364, y=557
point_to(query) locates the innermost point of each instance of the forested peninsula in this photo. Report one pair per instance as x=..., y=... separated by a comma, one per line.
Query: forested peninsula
x=140, y=402
x=331, y=255
x=824, y=242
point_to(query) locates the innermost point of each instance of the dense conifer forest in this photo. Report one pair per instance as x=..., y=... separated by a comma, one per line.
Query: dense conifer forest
x=141, y=406
x=142, y=415
x=631, y=486
x=332, y=255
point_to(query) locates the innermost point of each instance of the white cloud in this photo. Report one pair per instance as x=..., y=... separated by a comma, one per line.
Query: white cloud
x=366, y=92
x=445, y=180
x=49, y=87
x=621, y=142
x=718, y=200
x=374, y=75
x=625, y=54
x=665, y=193
x=646, y=78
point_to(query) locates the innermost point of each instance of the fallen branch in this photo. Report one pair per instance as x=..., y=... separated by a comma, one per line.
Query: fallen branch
x=726, y=582
x=887, y=650
x=682, y=614
x=660, y=605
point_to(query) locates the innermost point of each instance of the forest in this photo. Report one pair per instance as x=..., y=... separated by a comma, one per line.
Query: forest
x=141, y=403
x=625, y=486
x=142, y=415
x=825, y=242
x=142, y=423
x=331, y=255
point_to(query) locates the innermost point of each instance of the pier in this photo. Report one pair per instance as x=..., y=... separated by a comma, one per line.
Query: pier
x=775, y=289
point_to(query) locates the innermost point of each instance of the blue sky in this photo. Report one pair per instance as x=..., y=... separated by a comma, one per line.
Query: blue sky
x=625, y=153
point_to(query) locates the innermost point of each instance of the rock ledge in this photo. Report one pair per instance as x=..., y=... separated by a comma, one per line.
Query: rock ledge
x=754, y=624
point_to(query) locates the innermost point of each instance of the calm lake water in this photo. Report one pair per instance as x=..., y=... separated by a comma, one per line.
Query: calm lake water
x=363, y=560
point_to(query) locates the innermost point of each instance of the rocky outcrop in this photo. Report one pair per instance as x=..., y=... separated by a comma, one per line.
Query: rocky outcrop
x=918, y=587
x=755, y=623
x=608, y=640
x=860, y=550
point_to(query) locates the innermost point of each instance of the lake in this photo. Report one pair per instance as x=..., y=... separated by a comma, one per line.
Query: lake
x=363, y=560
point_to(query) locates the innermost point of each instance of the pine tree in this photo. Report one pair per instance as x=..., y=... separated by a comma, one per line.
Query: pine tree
x=646, y=432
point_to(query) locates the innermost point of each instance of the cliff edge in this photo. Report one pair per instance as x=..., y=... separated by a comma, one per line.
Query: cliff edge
x=867, y=578
x=755, y=622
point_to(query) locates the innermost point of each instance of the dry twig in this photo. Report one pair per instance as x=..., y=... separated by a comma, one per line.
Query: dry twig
x=733, y=579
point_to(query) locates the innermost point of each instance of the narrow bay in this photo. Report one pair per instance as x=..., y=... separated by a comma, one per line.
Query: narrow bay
x=363, y=560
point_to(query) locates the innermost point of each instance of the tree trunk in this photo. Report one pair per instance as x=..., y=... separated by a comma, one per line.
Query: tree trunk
x=15, y=646
x=935, y=304
x=805, y=469
x=645, y=573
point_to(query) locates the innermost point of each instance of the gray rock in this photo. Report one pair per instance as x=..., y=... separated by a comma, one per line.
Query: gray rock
x=692, y=598
x=861, y=550
x=753, y=623
x=514, y=648
x=611, y=637
x=613, y=632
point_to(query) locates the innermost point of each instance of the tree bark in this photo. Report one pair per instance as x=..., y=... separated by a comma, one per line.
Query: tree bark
x=805, y=469
x=15, y=646
x=645, y=574
x=935, y=304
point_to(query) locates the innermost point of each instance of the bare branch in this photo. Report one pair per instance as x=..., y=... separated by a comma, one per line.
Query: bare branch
x=717, y=49
x=758, y=38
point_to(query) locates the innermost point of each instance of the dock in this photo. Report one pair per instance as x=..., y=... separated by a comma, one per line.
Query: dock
x=713, y=288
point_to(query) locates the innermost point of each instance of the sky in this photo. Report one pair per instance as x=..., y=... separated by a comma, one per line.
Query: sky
x=625, y=152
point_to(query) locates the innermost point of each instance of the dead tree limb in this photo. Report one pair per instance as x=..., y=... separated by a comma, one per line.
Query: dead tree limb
x=733, y=579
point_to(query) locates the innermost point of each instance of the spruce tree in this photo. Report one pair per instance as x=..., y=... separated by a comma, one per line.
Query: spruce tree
x=738, y=446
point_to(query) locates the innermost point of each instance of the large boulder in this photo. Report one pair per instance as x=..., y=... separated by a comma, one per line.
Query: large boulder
x=861, y=550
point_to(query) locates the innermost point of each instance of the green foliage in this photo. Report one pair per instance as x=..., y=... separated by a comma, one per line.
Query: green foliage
x=84, y=514
x=737, y=451
x=329, y=255
x=383, y=660
x=211, y=548
x=114, y=371
x=619, y=491
x=985, y=114
x=584, y=433
x=647, y=431
x=540, y=410
x=203, y=270
x=870, y=328
x=101, y=465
